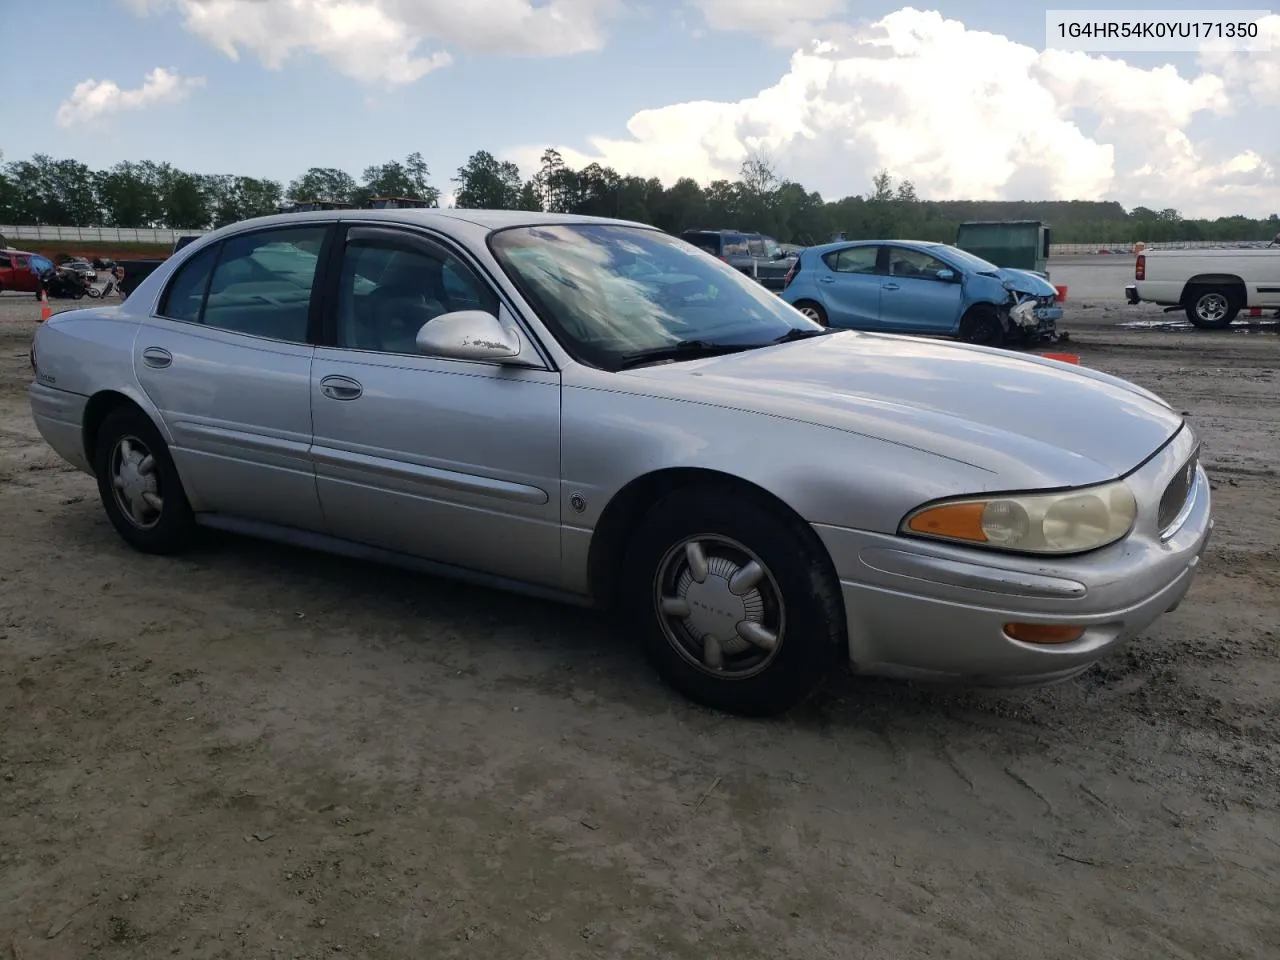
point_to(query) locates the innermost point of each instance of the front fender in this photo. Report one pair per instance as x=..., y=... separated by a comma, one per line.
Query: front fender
x=826, y=475
x=983, y=290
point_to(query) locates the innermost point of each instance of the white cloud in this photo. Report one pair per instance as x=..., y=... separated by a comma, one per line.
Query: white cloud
x=94, y=99
x=963, y=113
x=382, y=41
x=785, y=22
x=1257, y=73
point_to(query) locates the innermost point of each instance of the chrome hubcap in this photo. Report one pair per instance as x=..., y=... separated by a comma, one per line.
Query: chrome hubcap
x=719, y=606
x=1211, y=307
x=135, y=482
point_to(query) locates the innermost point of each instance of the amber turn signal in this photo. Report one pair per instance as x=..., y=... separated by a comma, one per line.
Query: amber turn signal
x=1043, y=632
x=955, y=521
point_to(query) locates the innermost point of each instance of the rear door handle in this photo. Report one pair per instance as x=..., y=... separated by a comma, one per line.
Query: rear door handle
x=890, y=286
x=827, y=279
x=157, y=357
x=341, y=388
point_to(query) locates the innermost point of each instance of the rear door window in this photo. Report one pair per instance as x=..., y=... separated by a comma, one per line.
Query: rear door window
x=262, y=283
x=735, y=245
x=852, y=259
x=710, y=242
x=757, y=248
x=184, y=298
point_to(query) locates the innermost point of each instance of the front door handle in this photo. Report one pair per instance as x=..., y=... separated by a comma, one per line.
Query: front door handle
x=341, y=388
x=157, y=357
x=889, y=286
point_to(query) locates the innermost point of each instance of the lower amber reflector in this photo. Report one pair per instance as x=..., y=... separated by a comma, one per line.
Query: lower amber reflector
x=1043, y=632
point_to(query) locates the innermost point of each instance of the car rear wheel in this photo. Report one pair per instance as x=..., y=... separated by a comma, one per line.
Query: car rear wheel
x=1212, y=308
x=981, y=326
x=735, y=604
x=813, y=311
x=139, y=485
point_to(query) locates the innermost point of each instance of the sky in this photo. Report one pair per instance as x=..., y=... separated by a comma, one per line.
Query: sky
x=962, y=98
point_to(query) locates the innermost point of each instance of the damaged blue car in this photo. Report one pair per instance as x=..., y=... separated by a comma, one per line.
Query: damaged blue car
x=927, y=289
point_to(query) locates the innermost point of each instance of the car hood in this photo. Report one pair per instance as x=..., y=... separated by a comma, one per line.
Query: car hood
x=1026, y=281
x=1027, y=421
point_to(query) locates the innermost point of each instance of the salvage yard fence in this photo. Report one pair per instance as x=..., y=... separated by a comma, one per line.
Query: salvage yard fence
x=165, y=236
x=156, y=235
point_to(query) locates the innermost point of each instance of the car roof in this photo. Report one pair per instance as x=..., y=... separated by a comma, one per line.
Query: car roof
x=826, y=248
x=432, y=216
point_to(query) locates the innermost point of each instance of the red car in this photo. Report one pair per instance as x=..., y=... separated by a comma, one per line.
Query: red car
x=21, y=271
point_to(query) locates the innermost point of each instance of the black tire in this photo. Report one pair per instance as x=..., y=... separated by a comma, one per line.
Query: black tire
x=814, y=311
x=173, y=527
x=981, y=326
x=797, y=601
x=1212, y=308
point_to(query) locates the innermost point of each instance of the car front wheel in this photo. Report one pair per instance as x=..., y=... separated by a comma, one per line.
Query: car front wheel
x=981, y=326
x=736, y=605
x=139, y=485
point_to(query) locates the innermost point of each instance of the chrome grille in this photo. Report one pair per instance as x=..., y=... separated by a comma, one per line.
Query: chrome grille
x=1176, y=493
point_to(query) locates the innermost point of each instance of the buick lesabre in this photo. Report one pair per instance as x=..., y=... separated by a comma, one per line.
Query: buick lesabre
x=596, y=411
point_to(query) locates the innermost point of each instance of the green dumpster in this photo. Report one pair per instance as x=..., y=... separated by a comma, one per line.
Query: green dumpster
x=1022, y=244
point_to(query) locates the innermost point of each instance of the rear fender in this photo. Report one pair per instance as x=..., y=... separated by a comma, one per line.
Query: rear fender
x=1213, y=280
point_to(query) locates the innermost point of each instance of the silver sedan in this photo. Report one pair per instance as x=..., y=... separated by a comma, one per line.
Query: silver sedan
x=595, y=411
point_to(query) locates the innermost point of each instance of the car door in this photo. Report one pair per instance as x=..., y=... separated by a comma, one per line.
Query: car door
x=448, y=460
x=1265, y=267
x=25, y=277
x=850, y=287
x=920, y=293
x=226, y=359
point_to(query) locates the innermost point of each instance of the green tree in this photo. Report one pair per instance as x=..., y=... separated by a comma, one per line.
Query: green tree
x=322, y=183
x=44, y=190
x=485, y=183
x=555, y=183
x=128, y=196
x=410, y=179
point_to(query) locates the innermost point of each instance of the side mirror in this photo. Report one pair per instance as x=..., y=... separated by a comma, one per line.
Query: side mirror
x=468, y=335
x=946, y=276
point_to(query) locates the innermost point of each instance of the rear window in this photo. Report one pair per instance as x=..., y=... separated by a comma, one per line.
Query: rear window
x=710, y=242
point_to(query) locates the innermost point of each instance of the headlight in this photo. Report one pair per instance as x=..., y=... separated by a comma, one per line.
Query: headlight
x=1069, y=522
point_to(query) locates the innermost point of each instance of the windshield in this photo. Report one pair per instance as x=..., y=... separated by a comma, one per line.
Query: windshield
x=965, y=258
x=608, y=292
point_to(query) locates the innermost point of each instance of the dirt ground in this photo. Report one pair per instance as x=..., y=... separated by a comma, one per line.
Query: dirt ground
x=256, y=752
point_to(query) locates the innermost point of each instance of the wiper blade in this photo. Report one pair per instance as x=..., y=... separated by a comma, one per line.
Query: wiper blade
x=801, y=334
x=683, y=350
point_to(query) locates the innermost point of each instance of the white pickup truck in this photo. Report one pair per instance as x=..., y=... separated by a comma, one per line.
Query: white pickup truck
x=1212, y=286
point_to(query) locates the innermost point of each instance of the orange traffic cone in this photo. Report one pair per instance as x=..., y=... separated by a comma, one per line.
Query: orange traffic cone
x=45, y=312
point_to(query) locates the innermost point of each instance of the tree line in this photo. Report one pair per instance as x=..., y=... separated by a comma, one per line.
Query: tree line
x=48, y=191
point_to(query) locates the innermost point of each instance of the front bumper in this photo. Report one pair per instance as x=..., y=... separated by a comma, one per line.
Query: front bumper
x=1030, y=321
x=1131, y=293
x=923, y=610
